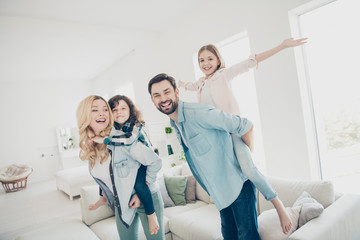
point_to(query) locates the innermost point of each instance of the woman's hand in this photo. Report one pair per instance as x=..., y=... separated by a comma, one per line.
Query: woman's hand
x=98, y=139
x=134, y=202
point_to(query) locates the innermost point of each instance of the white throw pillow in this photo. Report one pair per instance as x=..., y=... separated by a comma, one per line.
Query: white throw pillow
x=269, y=224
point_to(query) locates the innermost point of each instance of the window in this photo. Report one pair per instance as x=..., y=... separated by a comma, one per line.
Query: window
x=330, y=78
x=234, y=50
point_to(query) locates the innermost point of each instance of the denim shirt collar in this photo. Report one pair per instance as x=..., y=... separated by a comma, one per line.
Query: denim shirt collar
x=180, y=116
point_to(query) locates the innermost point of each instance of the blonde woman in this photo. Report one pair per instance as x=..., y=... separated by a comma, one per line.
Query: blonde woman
x=96, y=120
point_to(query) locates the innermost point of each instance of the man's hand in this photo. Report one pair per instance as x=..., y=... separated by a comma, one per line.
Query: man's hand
x=134, y=202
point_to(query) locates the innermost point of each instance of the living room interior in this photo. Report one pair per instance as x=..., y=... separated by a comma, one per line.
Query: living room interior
x=55, y=53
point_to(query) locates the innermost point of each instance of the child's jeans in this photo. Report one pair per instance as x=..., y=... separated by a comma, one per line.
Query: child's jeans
x=143, y=191
x=248, y=167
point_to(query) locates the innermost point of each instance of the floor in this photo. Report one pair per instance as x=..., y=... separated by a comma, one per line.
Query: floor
x=38, y=205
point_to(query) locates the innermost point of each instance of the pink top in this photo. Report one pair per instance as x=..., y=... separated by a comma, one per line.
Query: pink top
x=219, y=84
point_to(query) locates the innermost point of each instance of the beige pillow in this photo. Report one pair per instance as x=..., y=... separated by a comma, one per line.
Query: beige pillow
x=310, y=208
x=190, y=190
x=269, y=224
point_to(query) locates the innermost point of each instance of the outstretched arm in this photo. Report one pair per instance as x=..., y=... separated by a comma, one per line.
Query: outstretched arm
x=98, y=139
x=190, y=86
x=287, y=43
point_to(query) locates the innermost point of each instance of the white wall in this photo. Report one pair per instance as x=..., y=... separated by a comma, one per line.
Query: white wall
x=33, y=107
x=30, y=113
x=36, y=95
x=276, y=79
x=277, y=86
x=137, y=67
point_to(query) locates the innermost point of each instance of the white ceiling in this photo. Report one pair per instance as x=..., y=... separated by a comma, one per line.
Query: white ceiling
x=66, y=40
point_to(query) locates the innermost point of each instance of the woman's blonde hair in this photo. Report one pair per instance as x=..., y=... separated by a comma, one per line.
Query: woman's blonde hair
x=90, y=150
x=211, y=48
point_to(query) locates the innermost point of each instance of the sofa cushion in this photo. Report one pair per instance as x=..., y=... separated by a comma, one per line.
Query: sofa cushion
x=89, y=195
x=174, y=211
x=175, y=186
x=310, y=208
x=199, y=224
x=269, y=224
x=166, y=224
x=190, y=190
x=289, y=190
x=106, y=229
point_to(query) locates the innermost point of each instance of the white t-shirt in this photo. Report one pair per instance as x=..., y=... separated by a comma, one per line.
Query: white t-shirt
x=101, y=171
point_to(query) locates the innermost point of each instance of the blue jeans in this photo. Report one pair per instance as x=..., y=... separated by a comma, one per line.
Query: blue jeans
x=132, y=233
x=239, y=220
x=143, y=191
x=248, y=167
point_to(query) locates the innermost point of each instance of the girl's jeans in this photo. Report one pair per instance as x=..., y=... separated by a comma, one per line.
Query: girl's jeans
x=247, y=166
x=132, y=233
x=143, y=191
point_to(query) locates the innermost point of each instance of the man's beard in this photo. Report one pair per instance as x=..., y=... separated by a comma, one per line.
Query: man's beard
x=170, y=110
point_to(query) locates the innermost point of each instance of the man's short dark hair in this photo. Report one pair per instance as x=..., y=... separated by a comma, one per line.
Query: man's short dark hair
x=161, y=77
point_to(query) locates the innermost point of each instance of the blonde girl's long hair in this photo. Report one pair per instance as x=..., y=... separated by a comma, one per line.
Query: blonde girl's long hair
x=211, y=48
x=90, y=150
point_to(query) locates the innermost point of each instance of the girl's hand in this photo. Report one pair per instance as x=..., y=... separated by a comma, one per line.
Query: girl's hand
x=98, y=139
x=291, y=42
x=134, y=202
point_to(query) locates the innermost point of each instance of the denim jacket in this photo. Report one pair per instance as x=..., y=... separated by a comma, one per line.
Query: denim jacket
x=126, y=160
x=204, y=133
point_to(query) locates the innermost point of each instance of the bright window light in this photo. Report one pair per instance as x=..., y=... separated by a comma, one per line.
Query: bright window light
x=332, y=77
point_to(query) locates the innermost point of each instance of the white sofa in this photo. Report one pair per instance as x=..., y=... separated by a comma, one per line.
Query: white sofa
x=201, y=221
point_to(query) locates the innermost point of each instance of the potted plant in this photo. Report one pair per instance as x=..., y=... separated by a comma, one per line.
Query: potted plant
x=182, y=156
x=168, y=130
x=156, y=150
